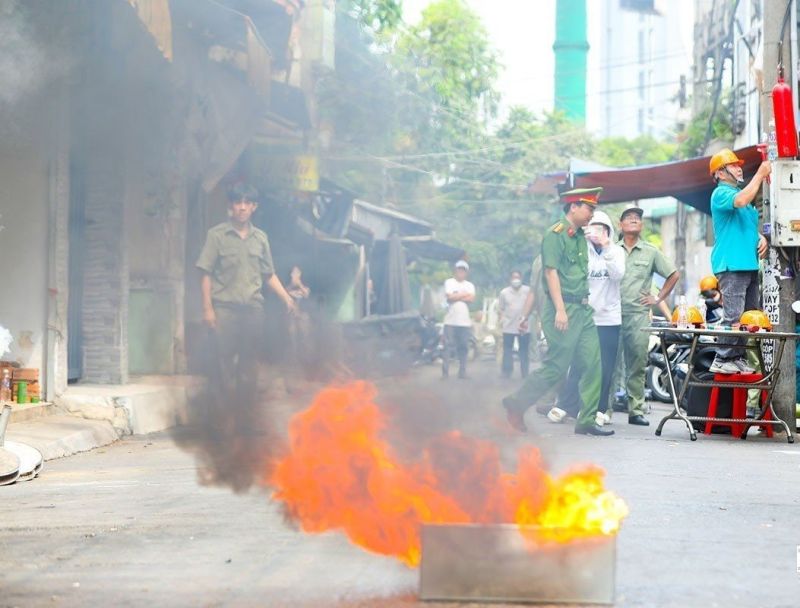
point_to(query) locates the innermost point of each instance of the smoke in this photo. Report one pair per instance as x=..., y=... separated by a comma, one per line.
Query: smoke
x=24, y=64
x=236, y=426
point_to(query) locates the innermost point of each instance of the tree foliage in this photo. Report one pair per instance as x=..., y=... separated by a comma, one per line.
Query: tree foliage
x=414, y=112
x=378, y=16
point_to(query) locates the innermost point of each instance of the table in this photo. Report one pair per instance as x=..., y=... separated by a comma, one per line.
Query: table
x=671, y=335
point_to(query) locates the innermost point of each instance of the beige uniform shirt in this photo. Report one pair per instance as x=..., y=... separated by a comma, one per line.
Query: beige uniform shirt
x=641, y=263
x=237, y=266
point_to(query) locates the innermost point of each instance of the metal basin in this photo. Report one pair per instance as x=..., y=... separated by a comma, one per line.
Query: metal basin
x=496, y=563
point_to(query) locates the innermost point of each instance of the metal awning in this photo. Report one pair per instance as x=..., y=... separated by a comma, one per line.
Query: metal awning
x=431, y=248
x=687, y=180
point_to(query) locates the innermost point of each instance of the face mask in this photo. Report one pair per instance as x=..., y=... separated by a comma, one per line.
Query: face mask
x=516, y=283
x=739, y=182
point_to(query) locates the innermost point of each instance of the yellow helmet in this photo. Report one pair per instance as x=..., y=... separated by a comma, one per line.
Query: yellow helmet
x=755, y=318
x=708, y=283
x=693, y=316
x=722, y=158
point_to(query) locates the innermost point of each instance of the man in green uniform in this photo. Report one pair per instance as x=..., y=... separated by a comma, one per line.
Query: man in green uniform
x=642, y=260
x=566, y=318
x=236, y=262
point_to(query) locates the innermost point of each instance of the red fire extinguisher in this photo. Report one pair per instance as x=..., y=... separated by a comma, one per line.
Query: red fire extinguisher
x=783, y=110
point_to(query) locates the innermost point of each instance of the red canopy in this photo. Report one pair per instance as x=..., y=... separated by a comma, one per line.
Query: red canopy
x=686, y=180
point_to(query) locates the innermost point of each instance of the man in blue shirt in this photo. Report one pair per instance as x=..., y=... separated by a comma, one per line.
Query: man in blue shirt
x=737, y=248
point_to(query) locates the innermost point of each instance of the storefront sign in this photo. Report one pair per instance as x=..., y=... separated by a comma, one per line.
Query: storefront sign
x=771, y=301
x=306, y=173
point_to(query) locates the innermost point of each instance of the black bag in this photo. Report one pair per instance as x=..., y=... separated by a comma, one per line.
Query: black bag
x=696, y=400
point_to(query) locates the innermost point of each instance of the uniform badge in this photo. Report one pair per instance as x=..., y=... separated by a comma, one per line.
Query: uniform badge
x=557, y=227
x=571, y=231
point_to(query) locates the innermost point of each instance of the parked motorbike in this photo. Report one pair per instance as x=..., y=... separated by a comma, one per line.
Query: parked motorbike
x=656, y=379
x=432, y=343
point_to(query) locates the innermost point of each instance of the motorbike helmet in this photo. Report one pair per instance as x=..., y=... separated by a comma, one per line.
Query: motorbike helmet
x=708, y=283
x=755, y=319
x=693, y=316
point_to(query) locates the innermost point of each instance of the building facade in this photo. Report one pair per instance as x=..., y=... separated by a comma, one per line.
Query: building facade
x=637, y=64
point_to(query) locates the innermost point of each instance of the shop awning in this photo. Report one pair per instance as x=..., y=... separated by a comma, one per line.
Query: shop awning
x=431, y=248
x=686, y=180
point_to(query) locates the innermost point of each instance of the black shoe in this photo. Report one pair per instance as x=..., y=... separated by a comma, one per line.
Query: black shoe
x=544, y=408
x=592, y=429
x=638, y=420
x=513, y=415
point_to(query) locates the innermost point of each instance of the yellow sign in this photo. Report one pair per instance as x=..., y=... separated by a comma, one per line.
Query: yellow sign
x=306, y=171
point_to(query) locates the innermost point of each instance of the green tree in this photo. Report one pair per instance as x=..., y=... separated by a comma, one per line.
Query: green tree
x=701, y=129
x=643, y=150
x=447, y=59
x=379, y=16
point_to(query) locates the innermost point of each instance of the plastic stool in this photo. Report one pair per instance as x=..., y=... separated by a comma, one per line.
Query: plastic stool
x=739, y=409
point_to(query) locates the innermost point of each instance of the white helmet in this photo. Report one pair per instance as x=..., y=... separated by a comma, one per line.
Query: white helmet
x=601, y=217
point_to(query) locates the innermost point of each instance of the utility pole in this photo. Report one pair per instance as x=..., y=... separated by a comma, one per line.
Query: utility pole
x=680, y=246
x=784, y=395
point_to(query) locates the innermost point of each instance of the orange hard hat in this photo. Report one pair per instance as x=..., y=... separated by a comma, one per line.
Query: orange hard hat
x=755, y=318
x=693, y=316
x=722, y=158
x=708, y=283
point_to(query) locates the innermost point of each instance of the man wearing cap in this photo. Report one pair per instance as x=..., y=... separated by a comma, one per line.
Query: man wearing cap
x=235, y=263
x=606, y=269
x=737, y=248
x=510, y=304
x=457, y=322
x=642, y=261
x=566, y=318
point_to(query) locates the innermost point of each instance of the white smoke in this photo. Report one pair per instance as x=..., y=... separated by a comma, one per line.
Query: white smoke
x=24, y=64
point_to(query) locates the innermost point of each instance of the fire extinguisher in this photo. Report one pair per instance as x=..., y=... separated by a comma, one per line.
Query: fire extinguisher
x=783, y=110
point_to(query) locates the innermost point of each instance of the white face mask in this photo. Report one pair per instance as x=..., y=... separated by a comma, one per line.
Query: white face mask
x=516, y=283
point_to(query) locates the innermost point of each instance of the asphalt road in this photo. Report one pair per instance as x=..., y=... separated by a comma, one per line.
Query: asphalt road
x=713, y=523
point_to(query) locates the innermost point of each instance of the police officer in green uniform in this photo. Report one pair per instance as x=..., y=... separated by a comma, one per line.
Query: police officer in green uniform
x=236, y=262
x=642, y=260
x=566, y=318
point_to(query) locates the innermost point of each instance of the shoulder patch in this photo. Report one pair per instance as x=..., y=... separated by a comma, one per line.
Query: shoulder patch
x=557, y=227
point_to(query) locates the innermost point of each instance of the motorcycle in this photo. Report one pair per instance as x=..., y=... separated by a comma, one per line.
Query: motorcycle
x=432, y=343
x=656, y=378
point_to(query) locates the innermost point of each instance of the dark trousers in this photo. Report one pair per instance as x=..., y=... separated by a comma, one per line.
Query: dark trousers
x=569, y=398
x=740, y=292
x=456, y=342
x=523, y=349
x=239, y=342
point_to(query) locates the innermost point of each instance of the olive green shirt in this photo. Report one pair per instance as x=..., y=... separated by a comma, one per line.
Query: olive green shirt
x=641, y=262
x=564, y=249
x=237, y=265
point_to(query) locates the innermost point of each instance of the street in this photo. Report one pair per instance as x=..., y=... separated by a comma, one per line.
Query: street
x=712, y=523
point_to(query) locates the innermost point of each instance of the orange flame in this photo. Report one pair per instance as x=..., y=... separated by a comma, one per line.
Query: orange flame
x=340, y=474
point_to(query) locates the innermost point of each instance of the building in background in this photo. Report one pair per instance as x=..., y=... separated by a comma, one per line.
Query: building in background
x=640, y=64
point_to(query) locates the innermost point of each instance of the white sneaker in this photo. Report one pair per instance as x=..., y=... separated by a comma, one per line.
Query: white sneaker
x=602, y=419
x=744, y=366
x=556, y=415
x=724, y=367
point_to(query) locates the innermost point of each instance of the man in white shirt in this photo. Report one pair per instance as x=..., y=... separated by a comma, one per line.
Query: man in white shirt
x=457, y=322
x=510, y=306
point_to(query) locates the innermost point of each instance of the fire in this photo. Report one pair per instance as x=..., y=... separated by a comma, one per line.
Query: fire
x=339, y=473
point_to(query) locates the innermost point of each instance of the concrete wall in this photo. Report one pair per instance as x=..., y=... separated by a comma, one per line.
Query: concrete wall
x=23, y=252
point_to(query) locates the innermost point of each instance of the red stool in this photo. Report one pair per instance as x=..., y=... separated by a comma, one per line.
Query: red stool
x=739, y=409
